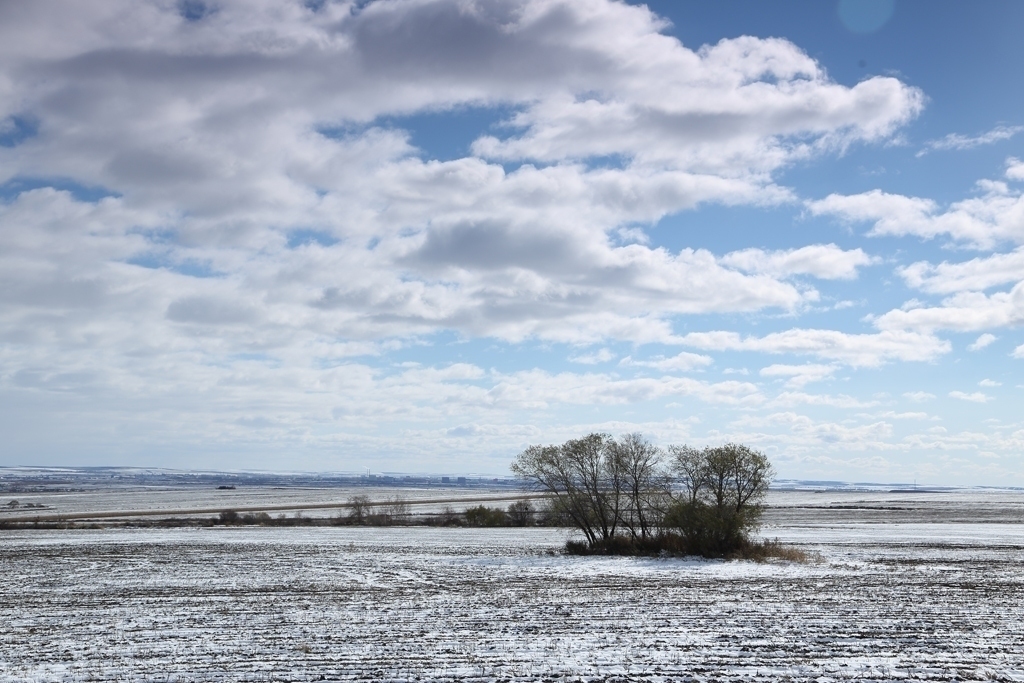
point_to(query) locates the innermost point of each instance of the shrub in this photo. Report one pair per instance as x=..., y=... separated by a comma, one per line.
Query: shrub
x=723, y=492
x=261, y=518
x=481, y=515
x=232, y=518
x=393, y=511
x=359, y=509
x=764, y=551
x=520, y=513
x=228, y=518
x=447, y=517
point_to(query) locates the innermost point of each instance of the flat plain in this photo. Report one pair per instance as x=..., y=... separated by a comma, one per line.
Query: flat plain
x=903, y=586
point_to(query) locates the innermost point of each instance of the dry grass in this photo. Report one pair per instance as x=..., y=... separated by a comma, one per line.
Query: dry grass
x=772, y=550
x=673, y=545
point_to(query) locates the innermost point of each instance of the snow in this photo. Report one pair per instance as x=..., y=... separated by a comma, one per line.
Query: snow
x=883, y=601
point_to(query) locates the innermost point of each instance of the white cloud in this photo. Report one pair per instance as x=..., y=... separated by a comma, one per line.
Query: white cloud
x=272, y=231
x=919, y=396
x=989, y=383
x=210, y=129
x=537, y=389
x=866, y=350
x=682, y=362
x=1018, y=352
x=964, y=312
x=663, y=119
x=892, y=415
x=793, y=398
x=799, y=375
x=825, y=261
x=982, y=341
x=1014, y=169
x=956, y=141
x=595, y=358
x=974, y=397
x=800, y=433
x=981, y=222
x=587, y=77
x=499, y=277
x=978, y=274
x=971, y=441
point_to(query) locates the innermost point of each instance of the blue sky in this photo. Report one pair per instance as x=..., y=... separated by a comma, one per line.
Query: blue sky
x=420, y=235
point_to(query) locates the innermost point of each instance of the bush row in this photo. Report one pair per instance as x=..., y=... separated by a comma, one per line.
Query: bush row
x=395, y=511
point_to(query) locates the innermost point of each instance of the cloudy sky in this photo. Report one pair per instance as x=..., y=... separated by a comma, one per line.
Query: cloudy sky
x=420, y=235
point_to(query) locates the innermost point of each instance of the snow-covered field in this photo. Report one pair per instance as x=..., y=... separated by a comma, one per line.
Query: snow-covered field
x=922, y=600
x=183, y=501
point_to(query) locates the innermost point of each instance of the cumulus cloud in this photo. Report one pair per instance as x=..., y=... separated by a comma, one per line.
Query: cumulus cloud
x=1014, y=169
x=981, y=222
x=825, y=261
x=230, y=134
x=982, y=341
x=963, y=312
x=587, y=75
x=653, y=120
x=968, y=308
x=236, y=207
x=977, y=274
x=919, y=396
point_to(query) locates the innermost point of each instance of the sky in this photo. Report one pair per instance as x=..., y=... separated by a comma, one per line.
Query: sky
x=420, y=235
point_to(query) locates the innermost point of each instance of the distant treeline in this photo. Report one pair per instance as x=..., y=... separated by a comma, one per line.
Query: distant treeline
x=396, y=511
x=361, y=511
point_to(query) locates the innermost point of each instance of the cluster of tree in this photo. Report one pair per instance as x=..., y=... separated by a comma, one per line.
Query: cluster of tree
x=396, y=511
x=627, y=495
x=519, y=513
x=234, y=518
x=362, y=511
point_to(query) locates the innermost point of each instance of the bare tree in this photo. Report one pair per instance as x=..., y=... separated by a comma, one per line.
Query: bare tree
x=360, y=509
x=547, y=470
x=690, y=470
x=395, y=510
x=592, y=459
x=520, y=513
x=638, y=463
x=581, y=476
x=448, y=516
